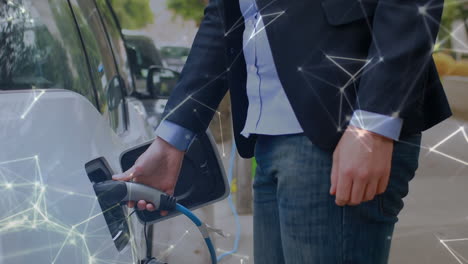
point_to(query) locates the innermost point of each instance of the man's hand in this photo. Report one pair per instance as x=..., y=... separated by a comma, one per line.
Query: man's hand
x=159, y=167
x=361, y=166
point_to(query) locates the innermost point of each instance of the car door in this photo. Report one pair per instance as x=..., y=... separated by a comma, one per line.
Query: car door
x=136, y=114
x=114, y=83
x=62, y=105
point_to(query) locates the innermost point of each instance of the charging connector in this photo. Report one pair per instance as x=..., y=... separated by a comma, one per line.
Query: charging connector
x=116, y=192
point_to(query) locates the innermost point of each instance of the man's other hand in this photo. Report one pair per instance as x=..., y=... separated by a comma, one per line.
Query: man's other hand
x=159, y=167
x=361, y=166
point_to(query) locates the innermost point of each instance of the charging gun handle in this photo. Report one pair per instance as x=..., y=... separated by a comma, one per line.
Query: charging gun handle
x=118, y=192
x=160, y=200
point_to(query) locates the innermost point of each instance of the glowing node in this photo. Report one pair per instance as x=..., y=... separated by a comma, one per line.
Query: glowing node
x=71, y=193
x=339, y=129
x=342, y=89
x=171, y=247
x=299, y=69
x=8, y=185
x=348, y=118
x=361, y=133
x=194, y=110
x=422, y=10
x=396, y=114
x=228, y=69
x=381, y=59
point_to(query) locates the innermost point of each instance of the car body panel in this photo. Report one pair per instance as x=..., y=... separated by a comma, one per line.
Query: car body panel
x=48, y=199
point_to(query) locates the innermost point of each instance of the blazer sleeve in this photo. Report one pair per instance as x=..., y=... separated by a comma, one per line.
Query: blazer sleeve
x=202, y=84
x=404, y=33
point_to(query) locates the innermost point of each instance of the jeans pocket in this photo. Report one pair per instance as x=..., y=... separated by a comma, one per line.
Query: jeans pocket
x=391, y=205
x=404, y=165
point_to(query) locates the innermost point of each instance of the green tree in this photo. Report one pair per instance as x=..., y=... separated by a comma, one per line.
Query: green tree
x=133, y=14
x=453, y=10
x=188, y=9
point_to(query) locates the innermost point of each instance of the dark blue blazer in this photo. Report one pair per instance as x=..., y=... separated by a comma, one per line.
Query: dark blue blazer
x=377, y=51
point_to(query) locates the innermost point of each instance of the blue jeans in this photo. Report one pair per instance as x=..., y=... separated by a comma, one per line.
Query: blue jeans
x=296, y=220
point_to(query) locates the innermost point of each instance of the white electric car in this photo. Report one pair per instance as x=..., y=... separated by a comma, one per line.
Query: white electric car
x=69, y=118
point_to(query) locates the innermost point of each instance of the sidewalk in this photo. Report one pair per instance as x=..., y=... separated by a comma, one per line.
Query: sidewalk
x=433, y=227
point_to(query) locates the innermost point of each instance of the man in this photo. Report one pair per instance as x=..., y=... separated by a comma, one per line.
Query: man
x=331, y=97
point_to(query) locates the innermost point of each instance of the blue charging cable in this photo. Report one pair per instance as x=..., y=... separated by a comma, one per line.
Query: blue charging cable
x=202, y=228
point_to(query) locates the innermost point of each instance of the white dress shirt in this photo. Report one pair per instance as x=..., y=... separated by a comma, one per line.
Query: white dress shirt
x=269, y=112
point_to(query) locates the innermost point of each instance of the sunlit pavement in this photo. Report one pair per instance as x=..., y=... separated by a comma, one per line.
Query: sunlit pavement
x=178, y=241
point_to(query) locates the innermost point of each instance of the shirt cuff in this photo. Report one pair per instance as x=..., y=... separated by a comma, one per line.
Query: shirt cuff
x=178, y=136
x=386, y=126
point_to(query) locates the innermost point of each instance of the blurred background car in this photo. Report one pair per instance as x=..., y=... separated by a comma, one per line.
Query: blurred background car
x=144, y=57
x=175, y=57
x=145, y=54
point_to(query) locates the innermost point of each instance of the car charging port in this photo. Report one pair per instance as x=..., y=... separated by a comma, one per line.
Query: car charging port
x=98, y=172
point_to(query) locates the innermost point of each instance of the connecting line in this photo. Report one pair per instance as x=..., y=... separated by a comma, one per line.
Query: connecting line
x=277, y=15
x=450, y=32
x=454, y=254
x=28, y=109
x=458, y=131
